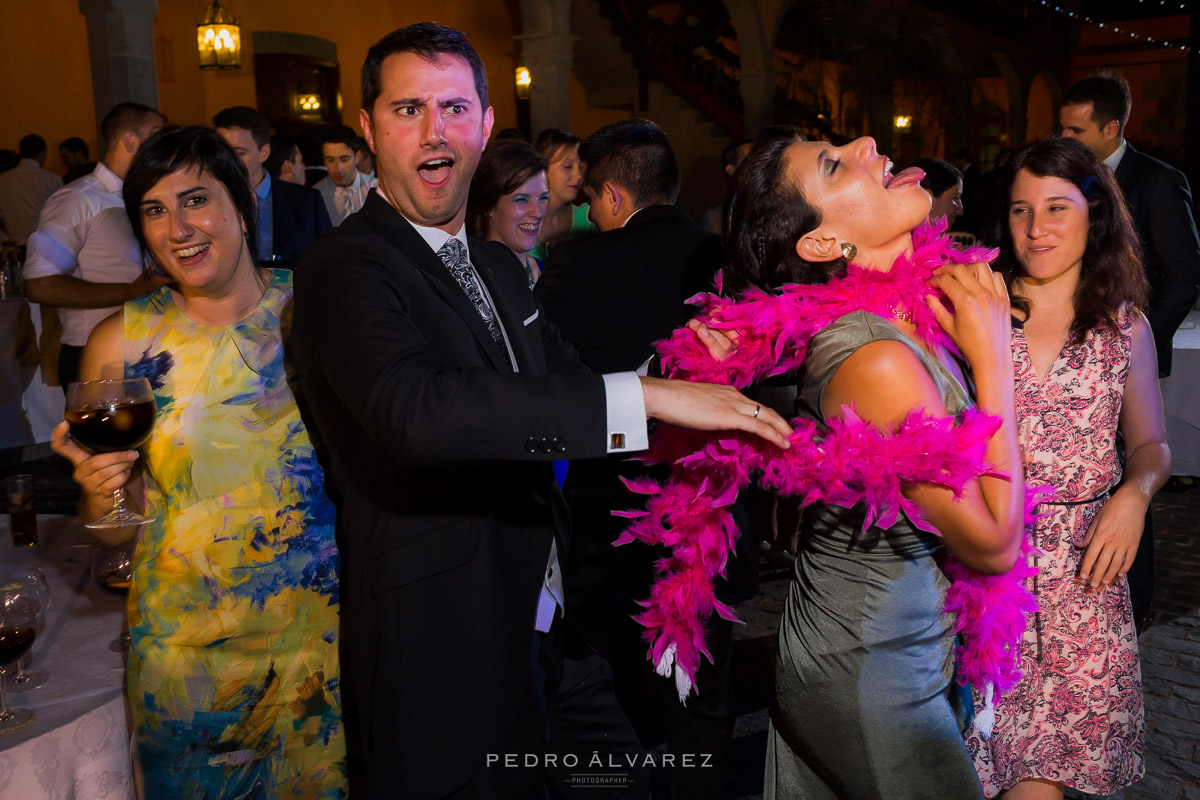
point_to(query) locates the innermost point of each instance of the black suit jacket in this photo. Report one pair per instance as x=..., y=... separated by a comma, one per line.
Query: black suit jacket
x=614, y=294
x=298, y=214
x=1161, y=204
x=440, y=463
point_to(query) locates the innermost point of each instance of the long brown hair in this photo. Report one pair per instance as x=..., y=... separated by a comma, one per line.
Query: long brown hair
x=1111, y=275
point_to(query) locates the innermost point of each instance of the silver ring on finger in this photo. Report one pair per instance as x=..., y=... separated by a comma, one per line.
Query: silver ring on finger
x=757, y=409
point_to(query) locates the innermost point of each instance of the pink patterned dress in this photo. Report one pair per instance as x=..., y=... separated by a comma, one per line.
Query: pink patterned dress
x=1076, y=715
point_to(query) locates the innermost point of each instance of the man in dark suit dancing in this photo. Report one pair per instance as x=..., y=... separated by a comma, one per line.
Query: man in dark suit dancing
x=613, y=295
x=442, y=395
x=289, y=215
x=1095, y=111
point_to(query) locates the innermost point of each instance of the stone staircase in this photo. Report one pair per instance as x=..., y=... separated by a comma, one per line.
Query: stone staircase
x=606, y=72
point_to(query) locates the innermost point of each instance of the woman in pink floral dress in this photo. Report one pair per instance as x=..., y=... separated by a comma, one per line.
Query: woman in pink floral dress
x=1085, y=367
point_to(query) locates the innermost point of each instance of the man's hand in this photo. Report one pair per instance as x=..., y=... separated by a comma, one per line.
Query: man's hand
x=147, y=282
x=712, y=407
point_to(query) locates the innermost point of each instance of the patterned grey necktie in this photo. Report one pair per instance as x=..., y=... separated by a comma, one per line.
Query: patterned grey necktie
x=454, y=256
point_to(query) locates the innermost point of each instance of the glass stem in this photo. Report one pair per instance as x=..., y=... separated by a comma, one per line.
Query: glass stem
x=3, y=703
x=119, y=501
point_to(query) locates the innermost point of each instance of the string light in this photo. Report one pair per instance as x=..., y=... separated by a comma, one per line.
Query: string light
x=1137, y=37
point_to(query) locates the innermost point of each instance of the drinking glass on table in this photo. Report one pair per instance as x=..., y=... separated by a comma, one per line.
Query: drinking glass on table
x=32, y=584
x=112, y=569
x=18, y=629
x=106, y=416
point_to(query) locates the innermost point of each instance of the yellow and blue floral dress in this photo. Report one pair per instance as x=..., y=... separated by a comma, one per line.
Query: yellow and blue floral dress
x=233, y=614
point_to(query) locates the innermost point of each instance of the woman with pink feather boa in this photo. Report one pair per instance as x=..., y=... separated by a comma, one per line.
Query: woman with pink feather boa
x=866, y=702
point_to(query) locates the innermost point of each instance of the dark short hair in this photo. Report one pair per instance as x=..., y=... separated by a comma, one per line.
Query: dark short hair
x=766, y=214
x=362, y=146
x=31, y=146
x=510, y=133
x=551, y=141
x=191, y=147
x=282, y=148
x=636, y=155
x=1108, y=93
x=939, y=175
x=431, y=42
x=125, y=117
x=504, y=166
x=729, y=153
x=341, y=134
x=248, y=119
x=75, y=146
x=1111, y=273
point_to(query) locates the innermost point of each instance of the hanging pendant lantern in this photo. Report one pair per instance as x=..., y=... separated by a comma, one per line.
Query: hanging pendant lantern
x=219, y=39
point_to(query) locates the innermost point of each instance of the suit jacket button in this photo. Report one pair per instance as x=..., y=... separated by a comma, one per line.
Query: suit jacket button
x=560, y=445
x=544, y=445
x=531, y=445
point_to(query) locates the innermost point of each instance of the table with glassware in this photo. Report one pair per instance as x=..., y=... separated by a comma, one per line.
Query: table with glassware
x=77, y=744
x=1181, y=398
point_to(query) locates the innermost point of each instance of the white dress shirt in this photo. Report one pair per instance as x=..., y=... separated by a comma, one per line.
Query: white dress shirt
x=24, y=189
x=625, y=407
x=1114, y=160
x=83, y=232
x=342, y=202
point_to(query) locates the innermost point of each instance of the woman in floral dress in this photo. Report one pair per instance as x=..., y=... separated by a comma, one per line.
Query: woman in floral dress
x=233, y=677
x=1085, y=367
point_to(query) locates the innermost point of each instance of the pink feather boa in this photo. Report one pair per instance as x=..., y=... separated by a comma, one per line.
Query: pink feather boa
x=838, y=463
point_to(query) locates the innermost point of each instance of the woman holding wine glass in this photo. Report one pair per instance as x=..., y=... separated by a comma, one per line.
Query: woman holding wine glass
x=233, y=608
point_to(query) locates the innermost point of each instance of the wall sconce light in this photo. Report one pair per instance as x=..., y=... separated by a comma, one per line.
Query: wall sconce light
x=309, y=102
x=524, y=81
x=903, y=123
x=219, y=39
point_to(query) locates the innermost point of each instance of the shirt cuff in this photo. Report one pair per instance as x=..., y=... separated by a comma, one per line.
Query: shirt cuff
x=625, y=407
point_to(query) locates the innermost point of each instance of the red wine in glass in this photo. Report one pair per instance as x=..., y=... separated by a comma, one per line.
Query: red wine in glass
x=15, y=642
x=106, y=416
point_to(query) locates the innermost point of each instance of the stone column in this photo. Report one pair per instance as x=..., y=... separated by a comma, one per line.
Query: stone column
x=121, y=51
x=548, y=57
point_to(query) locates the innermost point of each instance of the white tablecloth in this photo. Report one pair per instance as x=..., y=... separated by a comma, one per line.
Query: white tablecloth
x=1181, y=398
x=29, y=409
x=78, y=745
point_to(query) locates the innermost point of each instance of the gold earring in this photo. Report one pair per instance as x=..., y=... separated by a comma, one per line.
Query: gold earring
x=849, y=251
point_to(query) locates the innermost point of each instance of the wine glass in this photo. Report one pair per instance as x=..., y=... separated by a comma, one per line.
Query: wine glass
x=112, y=569
x=31, y=583
x=18, y=629
x=110, y=415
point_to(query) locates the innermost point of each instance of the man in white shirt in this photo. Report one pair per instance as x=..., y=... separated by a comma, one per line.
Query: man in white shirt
x=25, y=188
x=344, y=187
x=83, y=257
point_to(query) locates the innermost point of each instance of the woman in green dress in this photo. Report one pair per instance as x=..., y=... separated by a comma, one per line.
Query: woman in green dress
x=233, y=674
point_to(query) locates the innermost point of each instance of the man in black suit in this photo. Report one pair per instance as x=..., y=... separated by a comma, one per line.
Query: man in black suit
x=442, y=395
x=1095, y=111
x=613, y=295
x=289, y=216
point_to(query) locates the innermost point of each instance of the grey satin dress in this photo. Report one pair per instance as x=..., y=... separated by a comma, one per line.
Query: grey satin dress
x=865, y=703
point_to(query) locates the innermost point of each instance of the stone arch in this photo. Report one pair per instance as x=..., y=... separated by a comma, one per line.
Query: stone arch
x=1043, y=99
x=1016, y=96
x=758, y=63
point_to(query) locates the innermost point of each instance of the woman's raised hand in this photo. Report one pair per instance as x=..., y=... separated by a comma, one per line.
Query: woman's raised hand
x=719, y=343
x=99, y=474
x=981, y=323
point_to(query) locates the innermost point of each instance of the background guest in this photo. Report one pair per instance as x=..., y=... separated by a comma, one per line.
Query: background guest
x=944, y=183
x=732, y=155
x=233, y=611
x=344, y=188
x=83, y=257
x=75, y=158
x=508, y=200
x=287, y=216
x=1083, y=356
x=564, y=219
x=25, y=189
x=285, y=162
